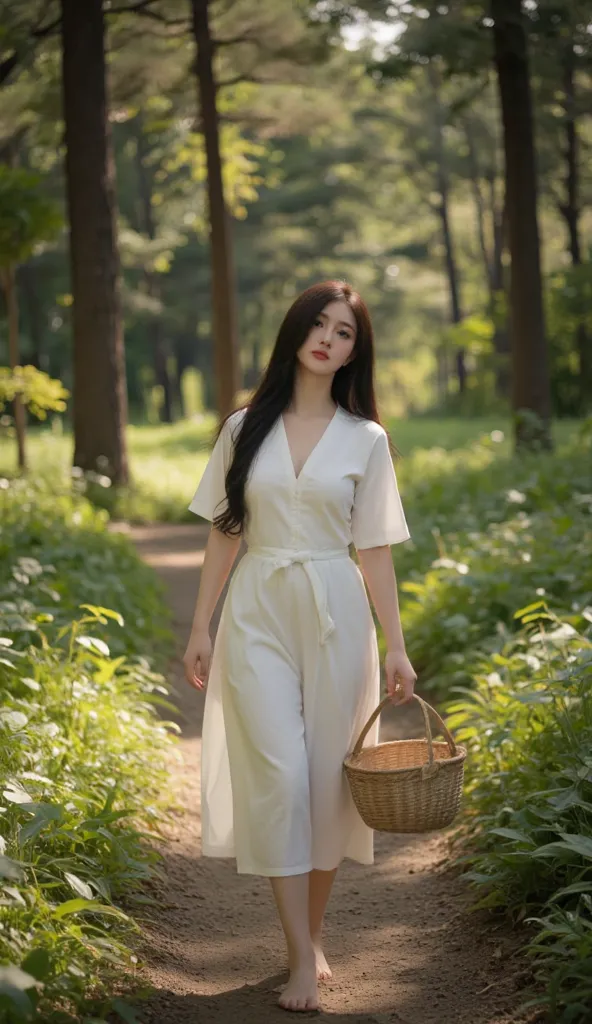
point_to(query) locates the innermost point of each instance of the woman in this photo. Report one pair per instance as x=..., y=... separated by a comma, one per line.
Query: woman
x=300, y=473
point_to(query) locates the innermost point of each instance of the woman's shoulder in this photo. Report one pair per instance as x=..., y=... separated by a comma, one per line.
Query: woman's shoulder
x=362, y=425
x=233, y=422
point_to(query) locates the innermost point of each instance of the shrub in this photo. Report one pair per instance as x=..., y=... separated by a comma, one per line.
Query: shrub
x=528, y=798
x=57, y=554
x=491, y=534
x=521, y=529
x=82, y=756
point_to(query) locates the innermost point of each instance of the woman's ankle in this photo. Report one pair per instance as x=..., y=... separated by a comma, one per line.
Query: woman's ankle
x=302, y=955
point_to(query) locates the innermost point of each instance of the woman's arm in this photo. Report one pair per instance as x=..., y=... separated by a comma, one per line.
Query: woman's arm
x=220, y=554
x=379, y=573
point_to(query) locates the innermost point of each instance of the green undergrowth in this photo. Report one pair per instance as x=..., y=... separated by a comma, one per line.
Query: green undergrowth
x=167, y=461
x=84, y=740
x=490, y=534
x=526, y=828
x=56, y=553
x=497, y=606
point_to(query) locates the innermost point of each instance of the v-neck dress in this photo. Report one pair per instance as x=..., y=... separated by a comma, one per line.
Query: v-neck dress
x=295, y=669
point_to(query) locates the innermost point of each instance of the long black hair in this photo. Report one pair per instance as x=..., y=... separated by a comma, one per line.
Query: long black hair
x=352, y=388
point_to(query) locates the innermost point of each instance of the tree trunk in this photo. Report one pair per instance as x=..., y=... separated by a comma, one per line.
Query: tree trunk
x=185, y=357
x=226, y=362
x=501, y=338
x=571, y=211
x=492, y=262
x=9, y=283
x=479, y=203
x=531, y=395
x=452, y=274
x=443, y=188
x=442, y=374
x=160, y=349
x=99, y=393
x=27, y=278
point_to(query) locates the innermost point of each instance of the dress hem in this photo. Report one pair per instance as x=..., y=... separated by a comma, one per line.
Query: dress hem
x=301, y=869
x=251, y=869
x=217, y=851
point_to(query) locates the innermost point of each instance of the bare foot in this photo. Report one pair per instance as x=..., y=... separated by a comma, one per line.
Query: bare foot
x=301, y=991
x=324, y=972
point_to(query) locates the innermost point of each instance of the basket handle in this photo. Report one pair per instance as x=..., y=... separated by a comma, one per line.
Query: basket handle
x=425, y=708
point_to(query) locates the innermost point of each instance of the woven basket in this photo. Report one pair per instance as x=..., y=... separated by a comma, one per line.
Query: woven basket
x=407, y=785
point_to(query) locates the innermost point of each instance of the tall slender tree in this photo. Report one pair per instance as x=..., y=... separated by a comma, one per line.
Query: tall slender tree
x=442, y=179
x=226, y=363
x=530, y=362
x=160, y=348
x=99, y=393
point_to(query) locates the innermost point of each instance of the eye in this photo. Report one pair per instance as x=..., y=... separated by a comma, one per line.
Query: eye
x=318, y=323
x=345, y=334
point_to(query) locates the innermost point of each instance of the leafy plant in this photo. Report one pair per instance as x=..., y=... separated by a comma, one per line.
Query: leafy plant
x=56, y=554
x=84, y=743
x=27, y=218
x=527, y=824
x=37, y=390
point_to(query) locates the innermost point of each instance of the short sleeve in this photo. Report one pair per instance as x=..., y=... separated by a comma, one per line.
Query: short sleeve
x=377, y=513
x=210, y=496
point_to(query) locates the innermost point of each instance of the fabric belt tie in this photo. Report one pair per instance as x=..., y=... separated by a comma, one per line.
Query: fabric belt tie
x=281, y=558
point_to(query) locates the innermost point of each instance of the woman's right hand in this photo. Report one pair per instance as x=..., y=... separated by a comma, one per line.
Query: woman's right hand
x=196, y=659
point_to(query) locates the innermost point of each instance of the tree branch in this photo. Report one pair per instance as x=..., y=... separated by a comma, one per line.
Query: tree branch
x=235, y=40
x=46, y=30
x=238, y=79
x=144, y=8
x=7, y=66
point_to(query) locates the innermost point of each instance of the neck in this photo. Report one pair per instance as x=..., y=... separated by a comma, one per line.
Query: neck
x=311, y=395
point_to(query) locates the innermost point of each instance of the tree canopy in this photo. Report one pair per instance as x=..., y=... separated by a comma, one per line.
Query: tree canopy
x=364, y=141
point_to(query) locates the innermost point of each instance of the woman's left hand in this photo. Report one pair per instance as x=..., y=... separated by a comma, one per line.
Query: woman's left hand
x=400, y=677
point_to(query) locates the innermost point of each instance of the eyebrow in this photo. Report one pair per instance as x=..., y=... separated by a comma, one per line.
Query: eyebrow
x=343, y=322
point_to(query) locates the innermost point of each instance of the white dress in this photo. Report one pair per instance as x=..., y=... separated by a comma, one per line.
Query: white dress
x=295, y=670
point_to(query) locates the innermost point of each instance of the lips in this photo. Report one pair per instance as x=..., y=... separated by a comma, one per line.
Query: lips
x=320, y=355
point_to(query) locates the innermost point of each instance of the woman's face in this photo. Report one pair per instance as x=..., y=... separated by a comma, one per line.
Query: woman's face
x=332, y=336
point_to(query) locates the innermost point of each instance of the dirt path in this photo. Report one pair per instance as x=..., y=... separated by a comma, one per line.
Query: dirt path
x=403, y=948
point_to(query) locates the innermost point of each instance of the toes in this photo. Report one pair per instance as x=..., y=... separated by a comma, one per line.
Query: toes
x=298, y=1005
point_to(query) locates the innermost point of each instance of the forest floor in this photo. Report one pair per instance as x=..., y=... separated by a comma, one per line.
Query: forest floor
x=403, y=945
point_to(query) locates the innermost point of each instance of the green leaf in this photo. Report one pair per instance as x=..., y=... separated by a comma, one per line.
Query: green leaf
x=37, y=963
x=10, y=869
x=82, y=888
x=17, y=794
x=14, y=983
x=104, y=612
x=571, y=890
x=84, y=905
x=18, y=1000
x=580, y=844
x=43, y=815
x=512, y=833
x=529, y=608
x=93, y=643
x=125, y=1011
x=17, y=896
